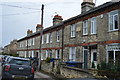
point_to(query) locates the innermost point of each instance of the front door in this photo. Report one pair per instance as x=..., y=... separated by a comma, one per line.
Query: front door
x=94, y=58
x=85, y=64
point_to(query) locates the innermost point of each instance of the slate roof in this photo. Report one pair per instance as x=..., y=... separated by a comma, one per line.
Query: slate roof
x=73, y=18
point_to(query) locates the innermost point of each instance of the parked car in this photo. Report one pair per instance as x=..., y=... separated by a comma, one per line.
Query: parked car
x=5, y=58
x=17, y=68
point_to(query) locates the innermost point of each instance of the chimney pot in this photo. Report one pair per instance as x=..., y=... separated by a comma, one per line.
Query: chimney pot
x=57, y=19
x=29, y=32
x=87, y=5
x=39, y=27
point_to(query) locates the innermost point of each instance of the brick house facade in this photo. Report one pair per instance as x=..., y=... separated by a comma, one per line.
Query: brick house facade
x=92, y=36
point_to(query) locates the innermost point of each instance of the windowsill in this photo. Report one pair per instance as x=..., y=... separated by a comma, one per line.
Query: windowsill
x=72, y=37
x=58, y=41
x=85, y=34
x=93, y=34
x=114, y=30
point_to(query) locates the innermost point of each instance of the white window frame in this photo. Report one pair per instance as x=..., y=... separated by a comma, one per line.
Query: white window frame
x=72, y=54
x=42, y=57
x=26, y=42
x=93, y=25
x=47, y=53
x=30, y=42
x=58, y=36
x=47, y=38
x=32, y=53
x=112, y=20
x=20, y=44
x=73, y=30
x=25, y=54
x=112, y=47
x=85, y=27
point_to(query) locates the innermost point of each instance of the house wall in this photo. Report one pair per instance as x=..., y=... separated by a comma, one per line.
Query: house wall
x=97, y=41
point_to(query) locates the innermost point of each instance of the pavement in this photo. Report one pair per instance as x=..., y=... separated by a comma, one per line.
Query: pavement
x=45, y=76
x=42, y=75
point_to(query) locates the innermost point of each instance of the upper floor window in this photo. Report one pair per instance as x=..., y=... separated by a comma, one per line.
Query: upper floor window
x=72, y=55
x=20, y=44
x=50, y=39
x=47, y=39
x=42, y=39
x=33, y=41
x=58, y=36
x=113, y=21
x=93, y=26
x=73, y=30
x=26, y=43
x=85, y=27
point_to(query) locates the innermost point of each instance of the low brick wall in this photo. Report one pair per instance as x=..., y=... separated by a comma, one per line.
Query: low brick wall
x=65, y=71
x=52, y=67
x=71, y=72
x=47, y=67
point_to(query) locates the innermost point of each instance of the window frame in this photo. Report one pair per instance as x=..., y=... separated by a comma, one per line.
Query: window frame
x=73, y=30
x=47, y=53
x=58, y=36
x=85, y=27
x=33, y=41
x=112, y=22
x=94, y=25
x=50, y=37
x=72, y=53
x=47, y=38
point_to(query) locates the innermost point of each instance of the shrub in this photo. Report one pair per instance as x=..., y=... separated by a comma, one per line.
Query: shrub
x=110, y=70
x=47, y=60
x=93, y=65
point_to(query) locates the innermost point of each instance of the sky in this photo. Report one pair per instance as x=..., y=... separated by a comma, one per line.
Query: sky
x=17, y=16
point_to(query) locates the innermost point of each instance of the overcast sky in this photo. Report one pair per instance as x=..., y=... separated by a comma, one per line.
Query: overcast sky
x=17, y=16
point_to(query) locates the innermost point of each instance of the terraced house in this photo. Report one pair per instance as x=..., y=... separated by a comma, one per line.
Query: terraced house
x=91, y=36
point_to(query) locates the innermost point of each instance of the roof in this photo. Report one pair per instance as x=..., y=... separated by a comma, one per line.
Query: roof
x=73, y=18
x=92, y=10
x=37, y=33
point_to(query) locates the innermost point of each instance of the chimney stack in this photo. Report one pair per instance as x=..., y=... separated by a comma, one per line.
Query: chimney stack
x=39, y=27
x=87, y=5
x=29, y=32
x=57, y=19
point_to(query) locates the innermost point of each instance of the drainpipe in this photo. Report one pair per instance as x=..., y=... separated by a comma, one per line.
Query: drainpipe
x=62, y=43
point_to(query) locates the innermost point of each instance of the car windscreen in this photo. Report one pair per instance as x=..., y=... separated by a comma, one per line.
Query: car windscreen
x=19, y=62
